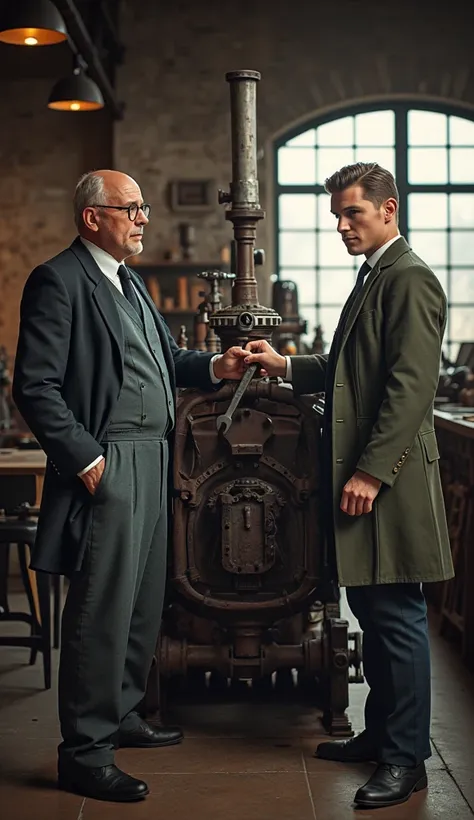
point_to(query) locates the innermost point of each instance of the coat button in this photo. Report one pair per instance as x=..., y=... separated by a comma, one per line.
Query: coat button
x=395, y=470
x=400, y=463
x=407, y=451
x=339, y=461
x=339, y=384
x=339, y=421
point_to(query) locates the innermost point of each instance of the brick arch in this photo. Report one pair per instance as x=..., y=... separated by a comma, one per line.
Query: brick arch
x=373, y=102
x=319, y=85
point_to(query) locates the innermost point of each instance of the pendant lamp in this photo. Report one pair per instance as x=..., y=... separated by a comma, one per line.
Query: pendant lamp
x=31, y=23
x=76, y=93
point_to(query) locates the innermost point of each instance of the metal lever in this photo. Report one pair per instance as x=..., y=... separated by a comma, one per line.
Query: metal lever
x=225, y=420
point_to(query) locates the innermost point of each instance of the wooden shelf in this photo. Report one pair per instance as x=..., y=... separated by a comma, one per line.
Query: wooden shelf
x=164, y=280
x=177, y=311
x=183, y=268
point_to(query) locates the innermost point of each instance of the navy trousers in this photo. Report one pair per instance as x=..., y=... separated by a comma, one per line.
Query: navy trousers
x=396, y=658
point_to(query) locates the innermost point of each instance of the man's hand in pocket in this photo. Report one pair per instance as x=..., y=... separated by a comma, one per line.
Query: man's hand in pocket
x=93, y=476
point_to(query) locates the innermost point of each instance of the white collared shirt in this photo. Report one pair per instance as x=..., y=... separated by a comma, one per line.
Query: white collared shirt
x=107, y=264
x=371, y=261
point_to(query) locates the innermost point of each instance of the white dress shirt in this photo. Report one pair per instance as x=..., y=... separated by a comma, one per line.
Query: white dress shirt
x=371, y=261
x=109, y=267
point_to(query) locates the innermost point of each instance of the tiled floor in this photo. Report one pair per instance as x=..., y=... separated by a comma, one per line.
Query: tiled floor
x=242, y=758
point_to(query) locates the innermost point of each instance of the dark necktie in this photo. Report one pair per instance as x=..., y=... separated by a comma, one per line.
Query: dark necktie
x=128, y=290
x=333, y=353
x=364, y=270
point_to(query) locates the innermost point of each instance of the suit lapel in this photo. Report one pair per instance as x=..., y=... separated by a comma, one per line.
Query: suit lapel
x=159, y=322
x=125, y=305
x=105, y=302
x=357, y=304
x=101, y=294
x=390, y=256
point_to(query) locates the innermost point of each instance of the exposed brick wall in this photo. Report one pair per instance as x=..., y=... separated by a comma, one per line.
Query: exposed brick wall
x=312, y=56
x=42, y=153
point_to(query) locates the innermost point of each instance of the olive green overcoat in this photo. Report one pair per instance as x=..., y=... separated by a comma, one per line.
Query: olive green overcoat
x=384, y=381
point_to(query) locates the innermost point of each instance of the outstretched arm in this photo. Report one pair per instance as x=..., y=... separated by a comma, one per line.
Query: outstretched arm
x=307, y=373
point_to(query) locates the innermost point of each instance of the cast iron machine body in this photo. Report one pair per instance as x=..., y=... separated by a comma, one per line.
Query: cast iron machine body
x=246, y=577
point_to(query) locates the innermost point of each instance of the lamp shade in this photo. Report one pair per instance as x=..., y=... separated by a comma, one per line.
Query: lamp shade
x=31, y=23
x=76, y=93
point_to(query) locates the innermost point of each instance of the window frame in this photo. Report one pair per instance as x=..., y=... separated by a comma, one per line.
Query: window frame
x=400, y=109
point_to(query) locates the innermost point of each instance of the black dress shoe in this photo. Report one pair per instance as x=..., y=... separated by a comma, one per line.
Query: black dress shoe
x=355, y=750
x=101, y=782
x=390, y=785
x=145, y=736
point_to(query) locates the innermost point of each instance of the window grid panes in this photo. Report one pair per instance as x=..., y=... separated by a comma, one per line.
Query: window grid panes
x=434, y=167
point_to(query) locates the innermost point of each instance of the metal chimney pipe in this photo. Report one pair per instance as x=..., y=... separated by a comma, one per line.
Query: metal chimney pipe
x=245, y=319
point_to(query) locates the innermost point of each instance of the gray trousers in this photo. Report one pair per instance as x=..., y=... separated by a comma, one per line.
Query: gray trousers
x=114, y=604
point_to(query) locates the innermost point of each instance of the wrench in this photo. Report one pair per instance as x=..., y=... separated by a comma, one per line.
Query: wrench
x=225, y=420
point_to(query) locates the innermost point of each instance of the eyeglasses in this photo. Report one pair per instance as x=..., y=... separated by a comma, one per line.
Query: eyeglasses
x=131, y=209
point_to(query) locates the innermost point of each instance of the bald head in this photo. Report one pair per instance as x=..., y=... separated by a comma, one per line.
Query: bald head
x=101, y=200
x=114, y=182
x=98, y=188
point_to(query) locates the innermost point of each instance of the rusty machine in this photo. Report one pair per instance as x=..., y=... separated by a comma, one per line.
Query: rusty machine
x=249, y=592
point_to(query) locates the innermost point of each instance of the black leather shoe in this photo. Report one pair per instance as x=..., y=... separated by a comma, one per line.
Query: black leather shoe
x=145, y=736
x=355, y=750
x=390, y=785
x=101, y=783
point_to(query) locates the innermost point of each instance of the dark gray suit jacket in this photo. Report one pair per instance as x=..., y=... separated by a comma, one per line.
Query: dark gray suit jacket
x=68, y=376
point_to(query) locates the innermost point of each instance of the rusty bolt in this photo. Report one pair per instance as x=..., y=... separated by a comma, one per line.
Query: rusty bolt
x=340, y=660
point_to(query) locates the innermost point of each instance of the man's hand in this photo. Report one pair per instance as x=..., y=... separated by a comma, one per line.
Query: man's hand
x=272, y=363
x=93, y=476
x=231, y=364
x=359, y=493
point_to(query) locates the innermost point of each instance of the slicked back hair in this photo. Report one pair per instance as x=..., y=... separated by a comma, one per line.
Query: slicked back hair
x=377, y=183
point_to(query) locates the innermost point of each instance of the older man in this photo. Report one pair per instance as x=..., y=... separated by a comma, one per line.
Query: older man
x=95, y=378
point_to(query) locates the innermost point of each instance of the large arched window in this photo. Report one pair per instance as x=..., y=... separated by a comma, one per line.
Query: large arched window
x=431, y=153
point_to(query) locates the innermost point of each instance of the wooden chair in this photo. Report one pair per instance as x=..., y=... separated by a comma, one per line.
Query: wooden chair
x=18, y=526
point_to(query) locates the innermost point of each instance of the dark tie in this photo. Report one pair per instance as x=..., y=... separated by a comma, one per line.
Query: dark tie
x=365, y=269
x=353, y=295
x=333, y=353
x=128, y=290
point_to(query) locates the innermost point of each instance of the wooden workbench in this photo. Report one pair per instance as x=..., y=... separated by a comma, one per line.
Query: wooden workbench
x=455, y=599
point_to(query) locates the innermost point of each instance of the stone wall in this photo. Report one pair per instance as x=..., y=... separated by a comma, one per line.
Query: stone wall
x=42, y=154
